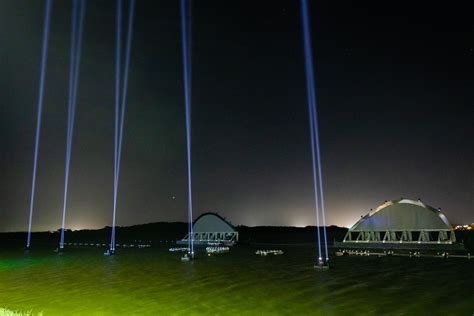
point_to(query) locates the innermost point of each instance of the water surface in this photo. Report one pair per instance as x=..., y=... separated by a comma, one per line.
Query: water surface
x=154, y=282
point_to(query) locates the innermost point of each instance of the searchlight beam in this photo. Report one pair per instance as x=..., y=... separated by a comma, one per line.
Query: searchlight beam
x=77, y=18
x=186, y=31
x=44, y=53
x=120, y=100
x=314, y=130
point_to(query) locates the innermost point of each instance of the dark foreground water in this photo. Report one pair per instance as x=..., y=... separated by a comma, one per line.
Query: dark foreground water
x=155, y=282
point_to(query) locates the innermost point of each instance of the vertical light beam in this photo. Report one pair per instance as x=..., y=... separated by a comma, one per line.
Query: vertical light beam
x=76, y=40
x=118, y=36
x=71, y=87
x=125, y=79
x=314, y=128
x=120, y=99
x=47, y=19
x=186, y=46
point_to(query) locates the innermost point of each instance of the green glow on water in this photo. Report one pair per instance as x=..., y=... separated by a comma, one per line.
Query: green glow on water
x=155, y=282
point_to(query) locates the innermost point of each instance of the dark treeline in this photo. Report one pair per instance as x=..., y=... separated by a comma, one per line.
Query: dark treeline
x=467, y=237
x=169, y=232
x=146, y=233
x=156, y=233
x=288, y=235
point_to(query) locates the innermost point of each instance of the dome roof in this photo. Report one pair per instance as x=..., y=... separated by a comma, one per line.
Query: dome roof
x=211, y=222
x=403, y=214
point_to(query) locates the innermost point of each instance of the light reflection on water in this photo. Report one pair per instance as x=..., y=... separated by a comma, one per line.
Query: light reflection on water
x=154, y=281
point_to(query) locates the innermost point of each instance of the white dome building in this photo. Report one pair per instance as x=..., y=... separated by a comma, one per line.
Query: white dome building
x=402, y=221
x=212, y=228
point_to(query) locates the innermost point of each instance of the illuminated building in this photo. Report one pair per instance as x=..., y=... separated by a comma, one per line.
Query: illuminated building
x=212, y=228
x=401, y=223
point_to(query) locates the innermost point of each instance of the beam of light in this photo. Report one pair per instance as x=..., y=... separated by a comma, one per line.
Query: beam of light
x=71, y=87
x=76, y=40
x=186, y=46
x=47, y=20
x=120, y=99
x=314, y=129
x=118, y=34
x=128, y=48
x=315, y=181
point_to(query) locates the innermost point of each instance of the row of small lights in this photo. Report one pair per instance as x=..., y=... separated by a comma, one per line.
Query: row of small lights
x=464, y=227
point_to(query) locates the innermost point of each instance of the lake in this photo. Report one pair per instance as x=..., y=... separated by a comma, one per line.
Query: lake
x=153, y=281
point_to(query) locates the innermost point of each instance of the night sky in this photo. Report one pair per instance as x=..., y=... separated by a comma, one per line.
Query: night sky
x=395, y=95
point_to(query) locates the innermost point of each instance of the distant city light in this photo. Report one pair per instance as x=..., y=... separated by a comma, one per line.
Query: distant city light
x=464, y=227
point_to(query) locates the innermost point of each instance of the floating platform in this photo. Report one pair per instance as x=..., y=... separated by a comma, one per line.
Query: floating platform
x=109, y=252
x=321, y=265
x=179, y=249
x=59, y=250
x=217, y=250
x=410, y=254
x=187, y=257
x=205, y=243
x=269, y=252
x=362, y=245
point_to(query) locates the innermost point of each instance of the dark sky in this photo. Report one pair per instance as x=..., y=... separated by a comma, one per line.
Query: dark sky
x=395, y=94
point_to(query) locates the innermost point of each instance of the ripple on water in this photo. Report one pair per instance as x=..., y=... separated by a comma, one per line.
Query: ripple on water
x=154, y=281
